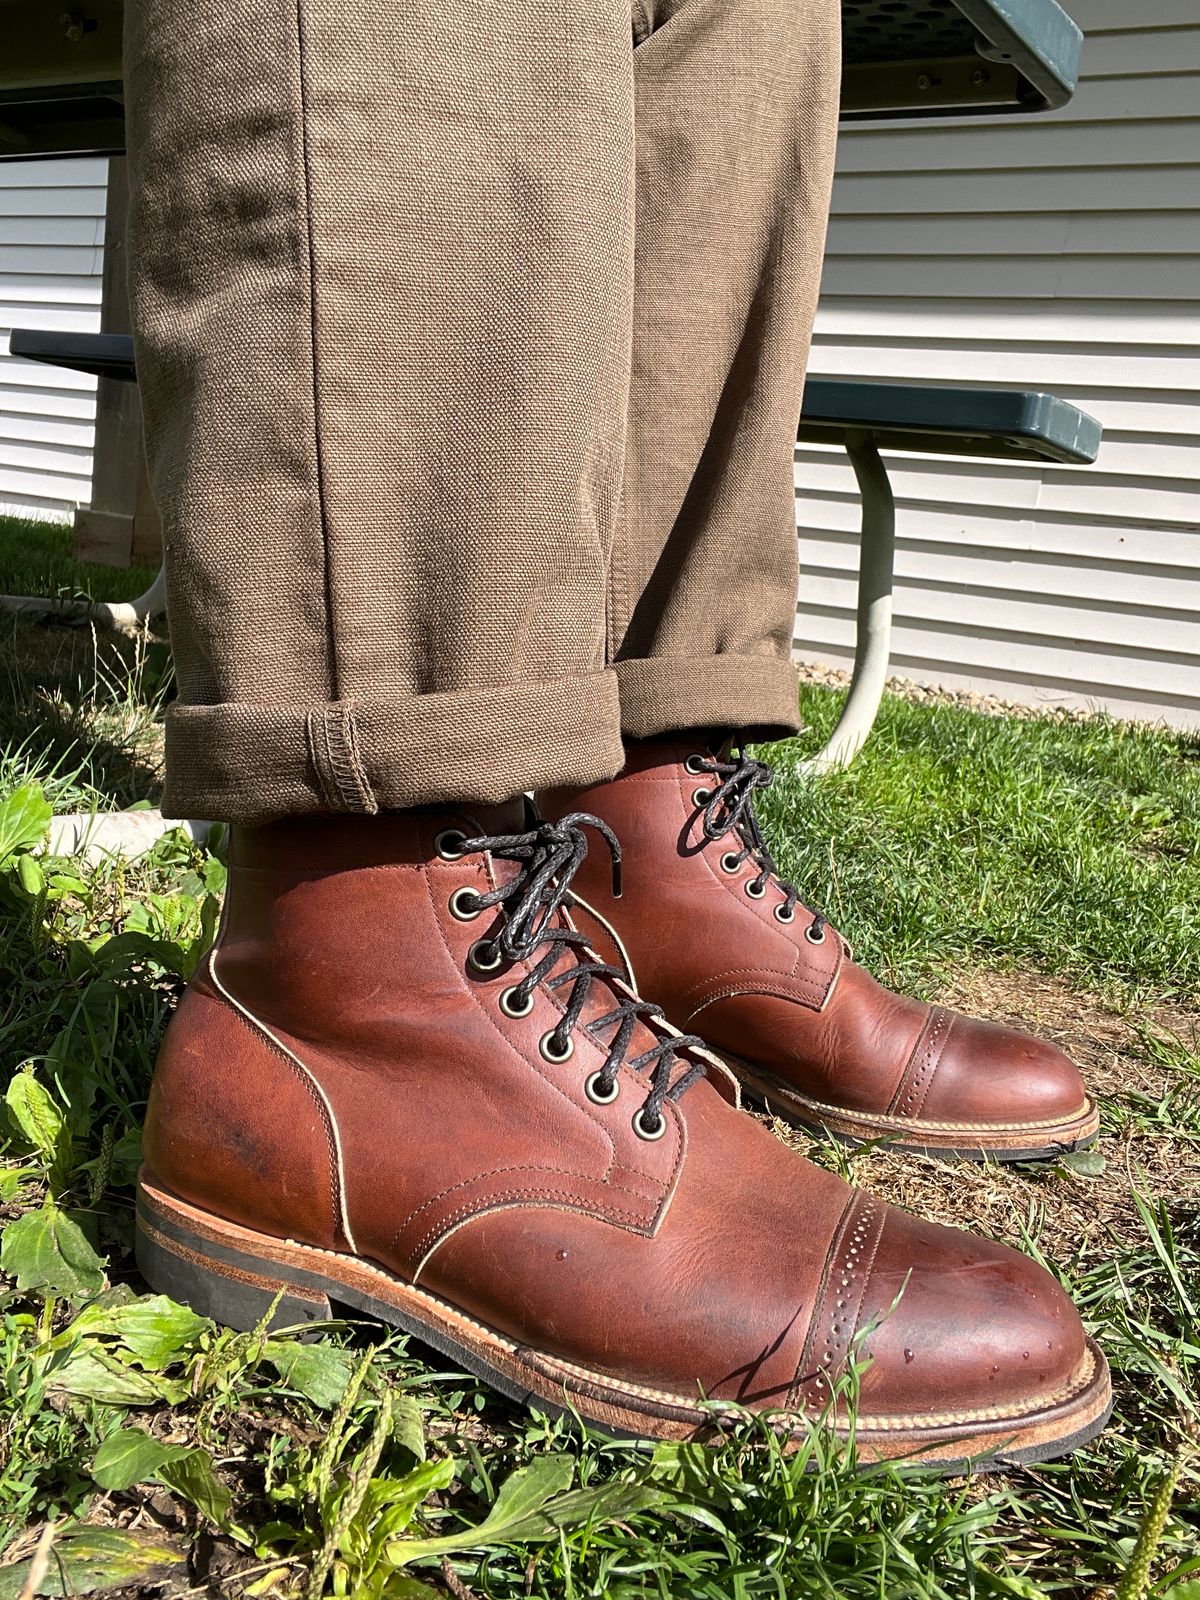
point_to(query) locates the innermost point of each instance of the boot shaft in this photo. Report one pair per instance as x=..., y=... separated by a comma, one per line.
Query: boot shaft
x=325, y=915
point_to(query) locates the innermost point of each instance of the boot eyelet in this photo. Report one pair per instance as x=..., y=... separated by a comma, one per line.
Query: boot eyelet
x=464, y=905
x=510, y=1003
x=730, y=862
x=644, y=1130
x=701, y=797
x=755, y=889
x=814, y=935
x=783, y=914
x=549, y=1050
x=486, y=956
x=449, y=844
x=695, y=766
x=596, y=1095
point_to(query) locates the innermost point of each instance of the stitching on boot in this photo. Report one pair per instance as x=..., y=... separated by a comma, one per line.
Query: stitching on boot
x=547, y=1077
x=331, y=1125
x=531, y=1190
x=332, y=733
x=913, y=1091
x=282, y=1250
x=630, y=979
x=871, y=1121
x=800, y=1380
x=848, y=1288
x=845, y=1287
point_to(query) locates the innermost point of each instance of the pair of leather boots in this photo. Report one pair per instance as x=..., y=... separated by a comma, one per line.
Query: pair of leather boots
x=452, y=1069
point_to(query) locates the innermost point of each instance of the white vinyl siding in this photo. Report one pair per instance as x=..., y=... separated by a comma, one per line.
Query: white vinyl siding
x=51, y=252
x=1058, y=252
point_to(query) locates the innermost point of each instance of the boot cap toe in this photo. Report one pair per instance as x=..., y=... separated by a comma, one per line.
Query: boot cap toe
x=960, y=1327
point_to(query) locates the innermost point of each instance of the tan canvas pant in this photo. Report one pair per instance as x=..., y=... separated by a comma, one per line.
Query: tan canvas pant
x=471, y=336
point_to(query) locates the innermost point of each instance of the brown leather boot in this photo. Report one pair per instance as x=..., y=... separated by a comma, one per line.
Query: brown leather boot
x=706, y=928
x=402, y=1082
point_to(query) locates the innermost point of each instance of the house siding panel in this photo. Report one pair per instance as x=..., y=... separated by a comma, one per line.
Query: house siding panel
x=1056, y=252
x=51, y=253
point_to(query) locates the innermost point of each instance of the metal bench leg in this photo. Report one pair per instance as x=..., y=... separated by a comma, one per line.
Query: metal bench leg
x=874, y=635
x=127, y=614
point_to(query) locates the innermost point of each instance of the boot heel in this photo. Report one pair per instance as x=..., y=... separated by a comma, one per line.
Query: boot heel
x=232, y=1286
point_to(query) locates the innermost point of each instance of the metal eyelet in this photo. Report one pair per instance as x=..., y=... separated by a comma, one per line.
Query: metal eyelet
x=510, y=1003
x=817, y=937
x=592, y=1090
x=731, y=862
x=648, y=1134
x=549, y=1053
x=464, y=905
x=700, y=797
x=694, y=765
x=755, y=889
x=785, y=914
x=446, y=847
x=486, y=956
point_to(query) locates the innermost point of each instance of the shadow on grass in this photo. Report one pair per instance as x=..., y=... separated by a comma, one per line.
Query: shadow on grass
x=81, y=713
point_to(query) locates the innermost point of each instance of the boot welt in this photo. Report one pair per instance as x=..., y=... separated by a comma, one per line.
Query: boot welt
x=233, y=1275
x=949, y=1141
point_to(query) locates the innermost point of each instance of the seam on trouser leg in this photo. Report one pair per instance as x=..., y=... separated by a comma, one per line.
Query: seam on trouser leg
x=332, y=734
x=306, y=197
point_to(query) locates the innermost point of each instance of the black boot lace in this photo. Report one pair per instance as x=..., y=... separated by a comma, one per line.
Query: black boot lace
x=549, y=856
x=728, y=807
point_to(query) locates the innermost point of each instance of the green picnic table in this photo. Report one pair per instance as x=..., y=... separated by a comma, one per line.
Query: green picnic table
x=61, y=94
x=61, y=91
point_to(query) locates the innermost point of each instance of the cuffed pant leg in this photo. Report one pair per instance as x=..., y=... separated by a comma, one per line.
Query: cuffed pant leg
x=736, y=115
x=382, y=282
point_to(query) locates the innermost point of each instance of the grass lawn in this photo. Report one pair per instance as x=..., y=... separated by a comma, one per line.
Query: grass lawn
x=1038, y=870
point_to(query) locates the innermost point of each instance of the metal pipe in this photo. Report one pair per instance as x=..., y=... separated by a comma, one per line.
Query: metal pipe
x=116, y=614
x=873, y=644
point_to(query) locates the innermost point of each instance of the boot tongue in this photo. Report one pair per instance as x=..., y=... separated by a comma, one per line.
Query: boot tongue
x=720, y=741
x=512, y=816
x=602, y=999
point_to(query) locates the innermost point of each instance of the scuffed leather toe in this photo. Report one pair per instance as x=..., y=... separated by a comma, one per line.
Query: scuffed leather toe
x=963, y=1326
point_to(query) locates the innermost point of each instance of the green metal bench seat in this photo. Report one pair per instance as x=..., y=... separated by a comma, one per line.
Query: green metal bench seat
x=864, y=419
x=1020, y=424
x=104, y=355
x=868, y=418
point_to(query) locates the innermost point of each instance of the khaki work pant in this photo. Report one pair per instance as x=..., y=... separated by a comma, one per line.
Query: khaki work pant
x=471, y=337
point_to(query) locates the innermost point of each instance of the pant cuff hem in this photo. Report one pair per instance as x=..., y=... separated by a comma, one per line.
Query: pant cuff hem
x=251, y=763
x=754, y=695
